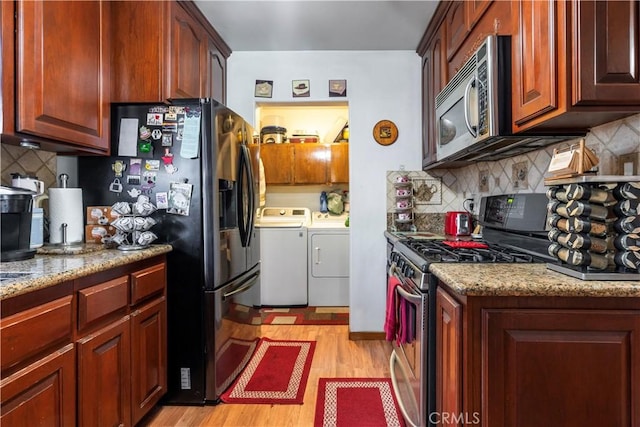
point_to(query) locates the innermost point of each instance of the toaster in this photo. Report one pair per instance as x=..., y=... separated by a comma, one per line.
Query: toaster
x=458, y=223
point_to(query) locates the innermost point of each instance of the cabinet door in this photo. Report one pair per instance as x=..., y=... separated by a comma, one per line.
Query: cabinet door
x=43, y=393
x=277, y=160
x=456, y=27
x=605, y=51
x=538, y=59
x=560, y=367
x=339, y=164
x=188, y=44
x=434, y=79
x=448, y=355
x=474, y=10
x=104, y=379
x=216, y=73
x=63, y=71
x=148, y=357
x=138, y=68
x=310, y=163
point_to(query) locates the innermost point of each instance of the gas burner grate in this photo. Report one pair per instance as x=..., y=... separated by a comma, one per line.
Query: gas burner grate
x=437, y=251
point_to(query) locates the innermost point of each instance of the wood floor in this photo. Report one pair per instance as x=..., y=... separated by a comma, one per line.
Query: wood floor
x=335, y=357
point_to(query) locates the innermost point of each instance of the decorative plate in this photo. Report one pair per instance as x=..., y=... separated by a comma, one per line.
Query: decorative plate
x=385, y=132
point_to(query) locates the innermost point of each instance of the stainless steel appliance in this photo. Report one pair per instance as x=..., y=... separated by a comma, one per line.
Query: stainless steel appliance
x=513, y=233
x=216, y=253
x=458, y=223
x=283, y=249
x=473, y=111
x=16, y=207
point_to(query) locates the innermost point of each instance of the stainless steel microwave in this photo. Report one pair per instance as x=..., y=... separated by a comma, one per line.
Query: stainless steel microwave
x=476, y=104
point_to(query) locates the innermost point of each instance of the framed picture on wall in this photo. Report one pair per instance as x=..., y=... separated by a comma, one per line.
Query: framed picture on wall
x=337, y=88
x=264, y=88
x=300, y=88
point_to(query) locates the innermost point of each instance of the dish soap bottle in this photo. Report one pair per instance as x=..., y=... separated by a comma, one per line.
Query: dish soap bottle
x=323, y=202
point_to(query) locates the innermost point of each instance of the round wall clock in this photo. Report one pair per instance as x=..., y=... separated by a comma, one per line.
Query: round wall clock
x=385, y=132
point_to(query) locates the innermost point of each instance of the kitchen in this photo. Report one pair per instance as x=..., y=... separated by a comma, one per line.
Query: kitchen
x=383, y=85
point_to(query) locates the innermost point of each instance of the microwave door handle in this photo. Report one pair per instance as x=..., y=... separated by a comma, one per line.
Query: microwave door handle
x=472, y=129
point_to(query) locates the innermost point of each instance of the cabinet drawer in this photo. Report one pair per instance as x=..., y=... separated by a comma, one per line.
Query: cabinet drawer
x=147, y=282
x=100, y=300
x=30, y=332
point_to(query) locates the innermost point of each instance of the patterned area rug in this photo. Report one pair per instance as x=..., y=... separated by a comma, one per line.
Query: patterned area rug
x=305, y=316
x=290, y=315
x=346, y=402
x=276, y=374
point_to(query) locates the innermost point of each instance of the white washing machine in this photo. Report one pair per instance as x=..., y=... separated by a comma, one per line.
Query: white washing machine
x=328, y=260
x=283, y=256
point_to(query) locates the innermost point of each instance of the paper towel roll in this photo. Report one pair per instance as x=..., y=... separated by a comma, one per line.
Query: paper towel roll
x=65, y=207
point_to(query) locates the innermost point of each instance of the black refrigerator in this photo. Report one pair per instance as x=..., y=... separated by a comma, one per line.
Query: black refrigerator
x=196, y=162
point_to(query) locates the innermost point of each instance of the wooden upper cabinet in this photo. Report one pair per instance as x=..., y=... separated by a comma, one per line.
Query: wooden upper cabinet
x=187, y=56
x=339, y=164
x=538, y=58
x=605, y=44
x=180, y=57
x=456, y=26
x=277, y=160
x=216, y=73
x=62, y=72
x=310, y=163
x=474, y=9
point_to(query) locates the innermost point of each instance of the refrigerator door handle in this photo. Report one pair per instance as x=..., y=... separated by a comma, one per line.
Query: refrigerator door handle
x=252, y=194
x=246, y=285
x=242, y=224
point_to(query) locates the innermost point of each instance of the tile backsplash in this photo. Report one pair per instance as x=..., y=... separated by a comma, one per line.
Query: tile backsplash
x=612, y=143
x=16, y=159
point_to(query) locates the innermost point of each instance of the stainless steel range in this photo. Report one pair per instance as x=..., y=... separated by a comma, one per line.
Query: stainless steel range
x=514, y=232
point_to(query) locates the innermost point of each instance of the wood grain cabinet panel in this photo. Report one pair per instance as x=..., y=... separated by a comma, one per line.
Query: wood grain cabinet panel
x=216, y=73
x=148, y=357
x=605, y=44
x=448, y=355
x=63, y=72
x=187, y=55
x=104, y=376
x=560, y=367
x=456, y=26
x=43, y=393
x=99, y=301
x=310, y=163
x=278, y=163
x=148, y=282
x=339, y=164
x=27, y=333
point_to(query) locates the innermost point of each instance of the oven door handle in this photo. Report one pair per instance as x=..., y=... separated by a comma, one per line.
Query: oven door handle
x=416, y=299
x=393, y=360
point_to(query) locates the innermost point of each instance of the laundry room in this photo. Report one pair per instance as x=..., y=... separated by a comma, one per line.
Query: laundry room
x=303, y=219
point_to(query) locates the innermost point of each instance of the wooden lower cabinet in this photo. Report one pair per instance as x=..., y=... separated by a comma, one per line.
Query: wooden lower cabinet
x=534, y=361
x=104, y=376
x=148, y=357
x=95, y=355
x=43, y=393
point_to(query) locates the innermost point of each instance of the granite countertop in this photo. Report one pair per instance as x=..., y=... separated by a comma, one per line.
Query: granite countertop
x=526, y=280
x=47, y=270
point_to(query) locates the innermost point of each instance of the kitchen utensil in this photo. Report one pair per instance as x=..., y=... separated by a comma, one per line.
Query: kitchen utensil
x=458, y=223
x=28, y=182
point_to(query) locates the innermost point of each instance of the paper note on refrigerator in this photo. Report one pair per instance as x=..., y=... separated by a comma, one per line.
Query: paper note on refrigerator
x=128, y=137
x=190, y=136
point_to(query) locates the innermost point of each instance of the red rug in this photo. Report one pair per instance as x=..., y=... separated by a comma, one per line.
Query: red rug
x=362, y=402
x=276, y=374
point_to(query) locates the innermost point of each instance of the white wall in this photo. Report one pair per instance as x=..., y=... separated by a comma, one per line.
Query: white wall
x=380, y=85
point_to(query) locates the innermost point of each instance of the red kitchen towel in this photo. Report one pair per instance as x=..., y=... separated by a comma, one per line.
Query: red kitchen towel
x=390, y=319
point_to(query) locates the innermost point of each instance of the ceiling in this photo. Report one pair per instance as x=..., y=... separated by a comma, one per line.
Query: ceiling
x=319, y=25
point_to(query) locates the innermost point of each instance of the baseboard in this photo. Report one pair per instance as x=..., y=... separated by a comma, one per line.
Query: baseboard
x=361, y=336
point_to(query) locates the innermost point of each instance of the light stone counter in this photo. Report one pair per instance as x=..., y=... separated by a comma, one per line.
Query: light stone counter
x=48, y=270
x=526, y=280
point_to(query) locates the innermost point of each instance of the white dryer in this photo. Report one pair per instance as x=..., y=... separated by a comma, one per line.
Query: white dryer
x=328, y=250
x=283, y=256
